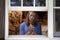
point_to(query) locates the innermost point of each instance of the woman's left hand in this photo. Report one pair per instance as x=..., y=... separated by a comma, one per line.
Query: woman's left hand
x=34, y=33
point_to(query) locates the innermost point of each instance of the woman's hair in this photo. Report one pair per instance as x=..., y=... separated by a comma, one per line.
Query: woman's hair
x=27, y=19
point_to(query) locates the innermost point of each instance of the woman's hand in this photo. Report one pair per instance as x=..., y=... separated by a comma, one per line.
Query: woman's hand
x=34, y=33
x=31, y=30
x=29, y=33
x=31, y=27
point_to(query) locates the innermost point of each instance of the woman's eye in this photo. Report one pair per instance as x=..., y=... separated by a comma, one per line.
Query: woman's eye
x=30, y=15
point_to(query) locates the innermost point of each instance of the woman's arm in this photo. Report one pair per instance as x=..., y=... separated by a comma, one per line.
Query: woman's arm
x=39, y=29
x=21, y=29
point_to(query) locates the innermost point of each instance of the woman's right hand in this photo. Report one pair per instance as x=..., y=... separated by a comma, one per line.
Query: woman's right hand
x=31, y=29
x=29, y=32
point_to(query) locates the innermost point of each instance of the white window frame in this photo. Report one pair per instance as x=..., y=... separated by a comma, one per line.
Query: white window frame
x=49, y=8
x=42, y=8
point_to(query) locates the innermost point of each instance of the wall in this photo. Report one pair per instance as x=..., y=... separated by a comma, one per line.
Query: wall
x=2, y=18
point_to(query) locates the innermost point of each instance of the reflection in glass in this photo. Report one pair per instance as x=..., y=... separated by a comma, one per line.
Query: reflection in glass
x=40, y=2
x=28, y=2
x=57, y=3
x=57, y=14
x=15, y=3
x=57, y=23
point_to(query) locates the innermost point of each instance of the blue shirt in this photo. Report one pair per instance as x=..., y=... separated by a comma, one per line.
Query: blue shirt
x=24, y=29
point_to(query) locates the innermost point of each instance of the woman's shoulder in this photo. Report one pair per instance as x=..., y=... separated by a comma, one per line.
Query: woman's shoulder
x=23, y=24
x=38, y=24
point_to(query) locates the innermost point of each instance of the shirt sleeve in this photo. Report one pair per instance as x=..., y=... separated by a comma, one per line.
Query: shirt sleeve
x=21, y=29
x=39, y=30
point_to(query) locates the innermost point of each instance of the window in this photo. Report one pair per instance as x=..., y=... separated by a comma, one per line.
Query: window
x=15, y=2
x=40, y=2
x=29, y=3
x=18, y=17
x=56, y=11
x=57, y=3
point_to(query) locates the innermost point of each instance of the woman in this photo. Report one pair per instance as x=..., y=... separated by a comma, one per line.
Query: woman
x=30, y=26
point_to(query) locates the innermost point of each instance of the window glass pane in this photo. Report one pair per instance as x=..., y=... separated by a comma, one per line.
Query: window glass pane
x=57, y=14
x=28, y=2
x=57, y=3
x=40, y=2
x=57, y=23
x=15, y=3
x=16, y=18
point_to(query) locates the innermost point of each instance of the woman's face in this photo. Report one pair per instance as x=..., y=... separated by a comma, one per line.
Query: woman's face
x=32, y=16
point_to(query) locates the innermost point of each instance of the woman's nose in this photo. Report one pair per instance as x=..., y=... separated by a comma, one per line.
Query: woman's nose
x=32, y=17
